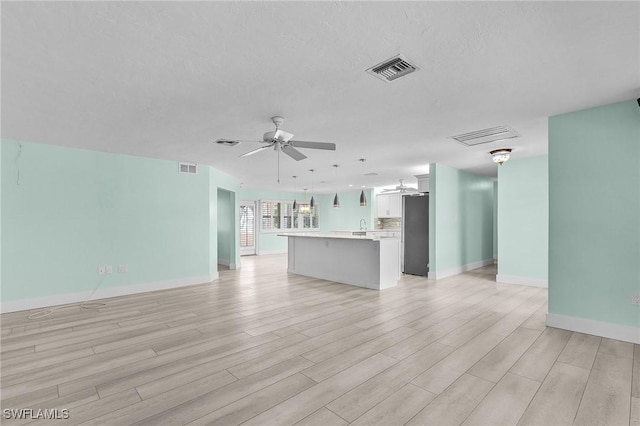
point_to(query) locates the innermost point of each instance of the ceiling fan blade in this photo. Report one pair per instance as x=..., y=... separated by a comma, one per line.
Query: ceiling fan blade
x=282, y=135
x=255, y=151
x=293, y=153
x=313, y=145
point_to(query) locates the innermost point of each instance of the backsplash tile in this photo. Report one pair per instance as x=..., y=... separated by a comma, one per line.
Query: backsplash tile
x=388, y=223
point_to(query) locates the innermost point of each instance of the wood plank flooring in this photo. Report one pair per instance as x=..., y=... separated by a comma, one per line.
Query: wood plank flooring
x=261, y=347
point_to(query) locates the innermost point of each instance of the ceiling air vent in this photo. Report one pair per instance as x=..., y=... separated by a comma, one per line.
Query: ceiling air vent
x=227, y=142
x=188, y=168
x=371, y=174
x=486, y=135
x=393, y=68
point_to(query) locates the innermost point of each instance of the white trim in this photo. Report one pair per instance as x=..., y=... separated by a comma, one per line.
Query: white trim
x=596, y=328
x=280, y=251
x=514, y=279
x=64, y=299
x=460, y=269
x=225, y=262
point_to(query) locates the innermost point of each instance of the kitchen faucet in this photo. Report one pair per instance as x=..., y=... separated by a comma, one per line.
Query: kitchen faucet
x=365, y=224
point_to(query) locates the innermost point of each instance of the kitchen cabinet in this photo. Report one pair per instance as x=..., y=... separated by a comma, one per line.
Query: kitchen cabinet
x=389, y=205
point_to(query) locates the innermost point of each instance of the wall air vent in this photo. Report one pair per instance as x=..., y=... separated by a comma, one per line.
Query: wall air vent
x=227, y=142
x=188, y=168
x=486, y=135
x=393, y=68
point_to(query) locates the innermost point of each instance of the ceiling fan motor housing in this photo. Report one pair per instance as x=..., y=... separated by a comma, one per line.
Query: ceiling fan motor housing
x=277, y=120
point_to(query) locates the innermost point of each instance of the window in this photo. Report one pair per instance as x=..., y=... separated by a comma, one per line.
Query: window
x=280, y=216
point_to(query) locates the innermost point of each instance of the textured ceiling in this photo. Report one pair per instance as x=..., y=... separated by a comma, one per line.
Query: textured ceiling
x=166, y=79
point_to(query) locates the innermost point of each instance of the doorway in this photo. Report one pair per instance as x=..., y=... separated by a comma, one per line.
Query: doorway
x=247, y=228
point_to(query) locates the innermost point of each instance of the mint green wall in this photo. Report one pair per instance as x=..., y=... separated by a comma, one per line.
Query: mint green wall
x=594, y=213
x=523, y=209
x=73, y=210
x=495, y=219
x=433, y=230
x=463, y=220
x=348, y=215
x=1, y=149
x=221, y=181
x=226, y=228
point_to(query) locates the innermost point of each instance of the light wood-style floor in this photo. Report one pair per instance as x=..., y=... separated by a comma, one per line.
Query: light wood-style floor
x=260, y=347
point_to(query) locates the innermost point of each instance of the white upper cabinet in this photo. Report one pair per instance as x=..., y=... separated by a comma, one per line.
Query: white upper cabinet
x=389, y=205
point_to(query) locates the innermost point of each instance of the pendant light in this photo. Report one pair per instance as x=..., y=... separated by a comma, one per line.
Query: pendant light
x=363, y=197
x=336, y=201
x=304, y=206
x=295, y=203
x=312, y=203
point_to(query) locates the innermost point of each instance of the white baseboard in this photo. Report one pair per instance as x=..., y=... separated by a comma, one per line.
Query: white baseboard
x=596, y=328
x=65, y=299
x=263, y=252
x=225, y=262
x=455, y=271
x=514, y=279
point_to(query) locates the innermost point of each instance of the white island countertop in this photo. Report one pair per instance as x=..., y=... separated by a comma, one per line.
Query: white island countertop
x=339, y=235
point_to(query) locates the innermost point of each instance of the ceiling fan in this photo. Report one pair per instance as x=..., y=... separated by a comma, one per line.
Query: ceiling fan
x=402, y=188
x=280, y=141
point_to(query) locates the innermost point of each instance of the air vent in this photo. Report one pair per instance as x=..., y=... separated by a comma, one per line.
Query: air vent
x=188, y=168
x=393, y=68
x=227, y=142
x=486, y=135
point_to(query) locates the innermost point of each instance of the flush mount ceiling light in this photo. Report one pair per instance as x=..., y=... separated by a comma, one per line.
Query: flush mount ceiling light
x=501, y=155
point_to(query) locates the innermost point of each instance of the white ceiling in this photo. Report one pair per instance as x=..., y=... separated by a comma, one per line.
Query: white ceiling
x=166, y=79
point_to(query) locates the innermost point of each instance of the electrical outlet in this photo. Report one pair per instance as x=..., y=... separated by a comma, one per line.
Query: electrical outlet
x=109, y=269
x=635, y=299
x=102, y=270
x=123, y=268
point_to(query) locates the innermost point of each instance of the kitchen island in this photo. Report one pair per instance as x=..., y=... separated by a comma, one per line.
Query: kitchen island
x=364, y=261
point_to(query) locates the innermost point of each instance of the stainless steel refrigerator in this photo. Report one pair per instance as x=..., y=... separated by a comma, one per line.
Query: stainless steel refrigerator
x=415, y=234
